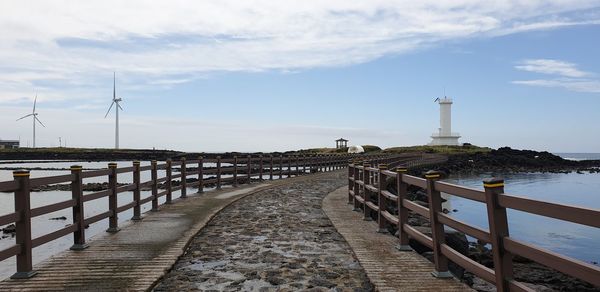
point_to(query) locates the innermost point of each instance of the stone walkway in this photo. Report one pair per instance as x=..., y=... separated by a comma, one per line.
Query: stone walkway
x=387, y=268
x=141, y=253
x=275, y=240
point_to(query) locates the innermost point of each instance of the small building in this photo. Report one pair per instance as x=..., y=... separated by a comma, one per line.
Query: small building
x=341, y=143
x=9, y=144
x=445, y=136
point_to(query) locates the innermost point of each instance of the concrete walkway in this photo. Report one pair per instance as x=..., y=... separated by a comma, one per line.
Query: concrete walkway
x=387, y=268
x=141, y=253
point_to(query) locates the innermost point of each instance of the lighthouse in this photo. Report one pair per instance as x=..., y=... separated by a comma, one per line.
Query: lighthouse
x=444, y=136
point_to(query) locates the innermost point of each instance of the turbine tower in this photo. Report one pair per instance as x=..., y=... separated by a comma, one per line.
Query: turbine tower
x=116, y=101
x=34, y=115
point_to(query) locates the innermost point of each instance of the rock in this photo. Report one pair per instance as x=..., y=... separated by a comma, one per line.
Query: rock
x=9, y=229
x=318, y=281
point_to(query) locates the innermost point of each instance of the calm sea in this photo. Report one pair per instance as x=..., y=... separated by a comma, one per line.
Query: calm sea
x=574, y=240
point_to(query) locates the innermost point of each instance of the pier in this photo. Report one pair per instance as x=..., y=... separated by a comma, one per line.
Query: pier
x=357, y=199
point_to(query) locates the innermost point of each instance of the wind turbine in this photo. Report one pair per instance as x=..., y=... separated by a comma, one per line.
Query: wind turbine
x=35, y=118
x=116, y=101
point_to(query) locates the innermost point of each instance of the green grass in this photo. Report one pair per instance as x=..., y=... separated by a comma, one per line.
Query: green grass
x=439, y=149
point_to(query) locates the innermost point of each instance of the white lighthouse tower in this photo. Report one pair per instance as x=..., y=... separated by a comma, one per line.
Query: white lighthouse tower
x=444, y=136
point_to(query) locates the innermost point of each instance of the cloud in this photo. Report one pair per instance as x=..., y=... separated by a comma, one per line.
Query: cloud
x=570, y=77
x=553, y=67
x=75, y=44
x=579, y=85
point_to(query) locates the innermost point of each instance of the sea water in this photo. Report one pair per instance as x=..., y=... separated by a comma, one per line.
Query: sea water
x=576, y=189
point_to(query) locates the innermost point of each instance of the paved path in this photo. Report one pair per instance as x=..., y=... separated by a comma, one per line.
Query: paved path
x=387, y=268
x=274, y=240
x=137, y=256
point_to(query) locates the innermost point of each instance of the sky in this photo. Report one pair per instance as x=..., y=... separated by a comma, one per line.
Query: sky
x=213, y=76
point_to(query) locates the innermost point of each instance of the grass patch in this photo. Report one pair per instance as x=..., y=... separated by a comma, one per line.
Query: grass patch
x=467, y=149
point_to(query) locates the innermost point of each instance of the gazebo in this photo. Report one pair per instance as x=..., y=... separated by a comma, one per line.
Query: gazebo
x=341, y=143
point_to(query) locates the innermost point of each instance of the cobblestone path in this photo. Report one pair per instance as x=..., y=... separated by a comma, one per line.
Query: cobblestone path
x=276, y=240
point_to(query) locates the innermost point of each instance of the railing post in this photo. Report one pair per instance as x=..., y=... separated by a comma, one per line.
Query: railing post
x=137, y=211
x=183, y=178
x=78, y=214
x=235, y=171
x=356, y=185
x=303, y=164
x=271, y=168
x=297, y=165
x=218, y=172
x=23, y=226
x=280, y=166
x=366, y=192
x=402, y=188
x=381, y=201
x=113, y=219
x=249, y=169
x=437, y=229
x=350, y=181
x=200, y=175
x=168, y=182
x=154, y=177
x=289, y=168
x=498, y=223
x=261, y=167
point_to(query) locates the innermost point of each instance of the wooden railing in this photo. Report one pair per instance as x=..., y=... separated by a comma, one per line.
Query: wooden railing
x=242, y=170
x=367, y=193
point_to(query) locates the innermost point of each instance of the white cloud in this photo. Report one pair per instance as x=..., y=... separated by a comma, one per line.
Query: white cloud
x=571, y=78
x=579, y=85
x=553, y=67
x=75, y=43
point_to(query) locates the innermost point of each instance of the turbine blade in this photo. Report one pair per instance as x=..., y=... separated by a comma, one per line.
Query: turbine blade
x=34, y=102
x=107, y=112
x=25, y=117
x=114, y=85
x=119, y=106
x=36, y=118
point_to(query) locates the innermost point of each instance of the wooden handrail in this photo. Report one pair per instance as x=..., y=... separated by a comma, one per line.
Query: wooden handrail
x=22, y=185
x=366, y=177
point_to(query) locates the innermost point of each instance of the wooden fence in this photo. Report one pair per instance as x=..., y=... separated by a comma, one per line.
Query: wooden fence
x=241, y=170
x=367, y=192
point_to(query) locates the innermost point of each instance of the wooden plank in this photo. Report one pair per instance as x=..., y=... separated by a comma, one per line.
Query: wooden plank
x=372, y=188
x=460, y=191
x=414, y=181
x=573, y=214
x=125, y=169
x=389, y=196
x=470, y=265
x=97, y=218
x=9, y=218
x=95, y=173
x=389, y=217
x=54, y=235
x=8, y=186
x=416, y=208
x=418, y=236
x=52, y=208
x=42, y=181
x=13, y=250
x=125, y=207
x=570, y=266
x=96, y=195
x=476, y=232
x=372, y=206
x=126, y=188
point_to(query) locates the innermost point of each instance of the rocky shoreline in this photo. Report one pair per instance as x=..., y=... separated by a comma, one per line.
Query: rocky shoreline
x=507, y=160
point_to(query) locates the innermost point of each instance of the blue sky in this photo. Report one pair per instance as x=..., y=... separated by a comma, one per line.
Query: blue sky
x=264, y=75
